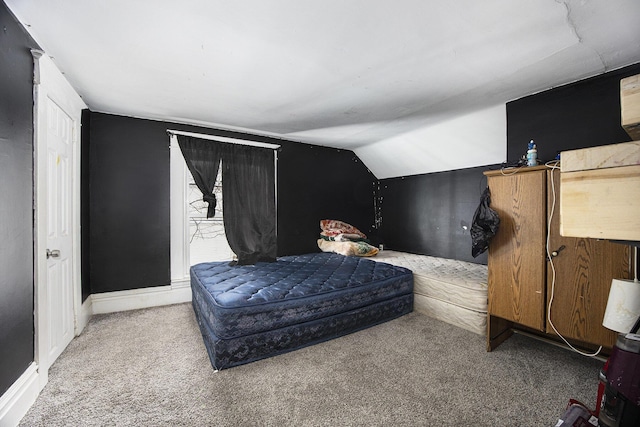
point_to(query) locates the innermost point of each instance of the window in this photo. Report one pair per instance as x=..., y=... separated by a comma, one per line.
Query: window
x=187, y=225
x=192, y=234
x=207, y=241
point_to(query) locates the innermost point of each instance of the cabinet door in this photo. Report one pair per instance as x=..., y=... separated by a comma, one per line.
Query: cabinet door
x=583, y=272
x=517, y=252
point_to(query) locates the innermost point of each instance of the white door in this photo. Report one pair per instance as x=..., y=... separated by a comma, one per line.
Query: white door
x=60, y=139
x=57, y=293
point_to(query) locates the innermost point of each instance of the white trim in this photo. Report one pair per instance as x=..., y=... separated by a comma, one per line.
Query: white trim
x=224, y=139
x=22, y=394
x=86, y=311
x=134, y=299
x=179, y=222
x=275, y=185
x=40, y=324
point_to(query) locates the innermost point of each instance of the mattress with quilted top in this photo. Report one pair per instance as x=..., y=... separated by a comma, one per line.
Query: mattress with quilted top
x=269, y=308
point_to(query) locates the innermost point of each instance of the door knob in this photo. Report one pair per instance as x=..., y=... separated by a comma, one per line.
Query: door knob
x=53, y=253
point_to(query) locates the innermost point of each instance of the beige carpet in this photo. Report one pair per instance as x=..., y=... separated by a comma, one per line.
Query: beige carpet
x=150, y=368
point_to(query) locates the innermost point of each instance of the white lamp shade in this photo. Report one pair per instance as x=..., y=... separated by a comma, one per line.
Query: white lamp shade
x=623, y=306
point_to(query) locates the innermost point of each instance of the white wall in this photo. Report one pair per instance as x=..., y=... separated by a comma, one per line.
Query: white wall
x=475, y=139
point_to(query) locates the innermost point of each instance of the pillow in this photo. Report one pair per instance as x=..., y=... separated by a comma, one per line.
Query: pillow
x=348, y=248
x=343, y=238
x=333, y=227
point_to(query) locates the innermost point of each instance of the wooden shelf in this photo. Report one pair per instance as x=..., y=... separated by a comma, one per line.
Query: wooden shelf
x=600, y=192
x=630, y=105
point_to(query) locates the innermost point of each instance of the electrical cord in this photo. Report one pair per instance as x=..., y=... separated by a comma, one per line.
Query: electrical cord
x=554, y=165
x=516, y=169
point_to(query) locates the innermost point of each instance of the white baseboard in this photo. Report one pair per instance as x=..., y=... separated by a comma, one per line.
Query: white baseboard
x=16, y=401
x=86, y=311
x=111, y=302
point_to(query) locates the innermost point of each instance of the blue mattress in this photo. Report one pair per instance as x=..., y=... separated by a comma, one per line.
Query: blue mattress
x=249, y=312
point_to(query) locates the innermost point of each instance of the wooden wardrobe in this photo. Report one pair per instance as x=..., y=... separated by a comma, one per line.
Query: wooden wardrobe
x=523, y=282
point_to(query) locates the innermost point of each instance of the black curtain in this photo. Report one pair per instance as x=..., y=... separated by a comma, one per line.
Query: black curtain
x=203, y=160
x=249, y=210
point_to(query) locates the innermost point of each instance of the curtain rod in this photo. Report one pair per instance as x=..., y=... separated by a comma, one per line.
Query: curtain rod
x=224, y=139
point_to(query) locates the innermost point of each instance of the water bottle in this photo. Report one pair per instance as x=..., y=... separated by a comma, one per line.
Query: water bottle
x=532, y=154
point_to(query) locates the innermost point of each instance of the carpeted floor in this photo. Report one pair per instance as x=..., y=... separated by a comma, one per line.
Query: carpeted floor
x=150, y=368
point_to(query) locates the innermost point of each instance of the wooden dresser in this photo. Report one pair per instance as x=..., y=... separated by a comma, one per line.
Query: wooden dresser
x=521, y=279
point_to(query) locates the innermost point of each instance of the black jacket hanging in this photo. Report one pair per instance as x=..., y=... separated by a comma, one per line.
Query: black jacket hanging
x=485, y=225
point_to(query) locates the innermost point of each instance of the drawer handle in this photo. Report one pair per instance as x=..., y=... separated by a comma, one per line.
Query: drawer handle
x=556, y=252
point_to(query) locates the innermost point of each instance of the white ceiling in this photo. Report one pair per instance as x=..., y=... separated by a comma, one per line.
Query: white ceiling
x=354, y=74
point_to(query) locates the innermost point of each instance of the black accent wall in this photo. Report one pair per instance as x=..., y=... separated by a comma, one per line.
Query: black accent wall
x=431, y=214
x=579, y=115
x=16, y=192
x=317, y=183
x=127, y=199
x=128, y=203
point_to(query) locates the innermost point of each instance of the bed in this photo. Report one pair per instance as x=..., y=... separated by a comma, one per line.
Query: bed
x=247, y=313
x=449, y=290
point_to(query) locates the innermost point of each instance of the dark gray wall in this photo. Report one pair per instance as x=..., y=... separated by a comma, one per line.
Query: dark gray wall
x=317, y=183
x=16, y=191
x=129, y=203
x=427, y=214
x=126, y=204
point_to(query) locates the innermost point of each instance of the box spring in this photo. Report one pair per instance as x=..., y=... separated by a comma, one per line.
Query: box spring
x=449, y=290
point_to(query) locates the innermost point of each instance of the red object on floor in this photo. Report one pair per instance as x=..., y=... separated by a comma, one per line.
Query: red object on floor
x=601, y=387
x=577, y=415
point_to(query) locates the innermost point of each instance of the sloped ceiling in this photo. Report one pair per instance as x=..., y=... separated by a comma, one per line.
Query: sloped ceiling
x=389, y=79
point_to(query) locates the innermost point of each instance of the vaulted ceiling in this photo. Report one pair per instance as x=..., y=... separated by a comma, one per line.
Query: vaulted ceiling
x=393, y=80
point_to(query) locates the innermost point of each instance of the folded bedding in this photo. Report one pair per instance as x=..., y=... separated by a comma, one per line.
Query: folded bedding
x=345, y=239
x=348, y=248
